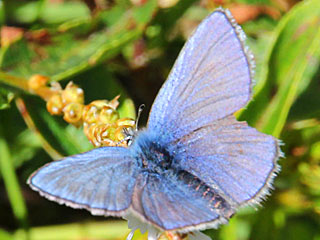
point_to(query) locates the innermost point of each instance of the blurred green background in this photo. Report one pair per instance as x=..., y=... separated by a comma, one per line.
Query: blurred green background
x=128, y=48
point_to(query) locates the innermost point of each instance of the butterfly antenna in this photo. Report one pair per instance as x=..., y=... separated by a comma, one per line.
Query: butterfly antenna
x=130, y=235
x=139, y=114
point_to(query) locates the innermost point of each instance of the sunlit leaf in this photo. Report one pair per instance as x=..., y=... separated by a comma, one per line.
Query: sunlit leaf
x=144, y=13
x=66, y=55
x=25, y=147
x=4, y=235
x=293, y=60
x=46, y=11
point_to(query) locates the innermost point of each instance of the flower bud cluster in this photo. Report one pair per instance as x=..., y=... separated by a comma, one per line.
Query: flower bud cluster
x=100, y=120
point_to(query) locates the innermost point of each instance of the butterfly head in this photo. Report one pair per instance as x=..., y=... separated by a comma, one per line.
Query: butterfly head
x=130, y=132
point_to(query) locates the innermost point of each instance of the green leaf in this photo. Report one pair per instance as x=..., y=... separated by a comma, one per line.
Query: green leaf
x=31, y=123
x=66, y=56
x=27, y=12
x=307, y=105
x=103, y=85
x=53, y=129
x=22, y=142
x=24, y=147
x=127, y=109
x=11, y=55
x=144, y=13
x=68, y=139
x=80, y=26
x=23, y=12
x=236, y=229
x=5, y=98
x=2, y=14
x=5, y=235
x=54, y=13
x=11, y=183
x=113, y=15
x=291, y=64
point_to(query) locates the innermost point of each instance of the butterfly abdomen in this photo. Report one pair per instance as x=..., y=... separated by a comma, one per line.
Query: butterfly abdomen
x=199, y=189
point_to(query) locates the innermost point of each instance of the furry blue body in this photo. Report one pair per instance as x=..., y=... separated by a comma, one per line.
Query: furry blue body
x=152, y=153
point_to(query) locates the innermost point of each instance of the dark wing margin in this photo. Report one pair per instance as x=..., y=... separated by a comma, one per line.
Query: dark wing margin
x=211, y=79
x=101, y=181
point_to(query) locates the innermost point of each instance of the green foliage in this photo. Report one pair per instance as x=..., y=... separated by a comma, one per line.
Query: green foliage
x=292, y=62
x=11, y=183
x=5, y=98
x=95, y=230
x=119, y=48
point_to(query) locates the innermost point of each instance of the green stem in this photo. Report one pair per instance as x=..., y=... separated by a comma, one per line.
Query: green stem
x=13, y=81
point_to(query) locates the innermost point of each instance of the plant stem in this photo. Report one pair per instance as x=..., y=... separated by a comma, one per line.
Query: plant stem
x=13, y=81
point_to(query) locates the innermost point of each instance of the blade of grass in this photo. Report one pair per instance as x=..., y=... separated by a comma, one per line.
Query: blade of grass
x=278, y=110
x=271, y=71
x=293, y=63
x=11, y=183
x=290, y=64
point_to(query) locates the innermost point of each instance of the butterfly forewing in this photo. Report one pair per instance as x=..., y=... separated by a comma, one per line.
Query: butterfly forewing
x=210, y=79
x=100, y=180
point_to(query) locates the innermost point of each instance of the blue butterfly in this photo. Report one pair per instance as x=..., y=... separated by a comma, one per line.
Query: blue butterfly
x=194, y=164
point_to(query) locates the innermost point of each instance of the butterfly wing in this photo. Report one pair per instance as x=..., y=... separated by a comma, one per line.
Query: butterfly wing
x=170, y=204
x=100, y=180
x=192, y=114
x=211, y=79
x=235, y=158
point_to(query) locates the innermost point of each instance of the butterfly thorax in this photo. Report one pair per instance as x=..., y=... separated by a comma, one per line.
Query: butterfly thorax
x=151, y=154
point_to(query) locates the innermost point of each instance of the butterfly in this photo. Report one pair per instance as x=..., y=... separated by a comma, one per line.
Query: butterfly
x=194, y=165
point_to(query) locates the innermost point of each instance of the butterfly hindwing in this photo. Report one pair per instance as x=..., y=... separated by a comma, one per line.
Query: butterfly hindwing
x=211, y=79
x=173, y=204
x=100, y=180
x=237, y=159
